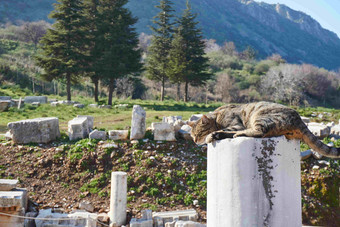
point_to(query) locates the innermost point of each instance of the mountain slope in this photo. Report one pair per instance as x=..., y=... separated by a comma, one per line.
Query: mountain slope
x=269, y=28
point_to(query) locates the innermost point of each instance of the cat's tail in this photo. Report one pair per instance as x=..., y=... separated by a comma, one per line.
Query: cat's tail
x=313, y=142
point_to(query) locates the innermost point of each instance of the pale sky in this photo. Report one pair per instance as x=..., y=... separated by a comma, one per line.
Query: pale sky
x=326, y=12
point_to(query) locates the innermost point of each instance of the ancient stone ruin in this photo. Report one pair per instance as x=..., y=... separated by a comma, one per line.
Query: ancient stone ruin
x=39, y=130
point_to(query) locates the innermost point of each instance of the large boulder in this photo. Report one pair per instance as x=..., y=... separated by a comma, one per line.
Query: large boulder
x=4, y=105
x=78, y=128
x=39, y=130
x=163, y=131
x=138, y=125
x=32, y=99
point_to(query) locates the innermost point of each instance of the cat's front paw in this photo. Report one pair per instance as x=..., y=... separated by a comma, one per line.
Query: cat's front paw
x=210, y=138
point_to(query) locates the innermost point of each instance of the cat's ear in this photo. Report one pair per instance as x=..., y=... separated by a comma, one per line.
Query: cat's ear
x=205, y=119
x=191, y=123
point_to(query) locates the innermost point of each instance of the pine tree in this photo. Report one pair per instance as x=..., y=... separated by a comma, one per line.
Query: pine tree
x=118, y=42
x=178, y=64
x=192, y=66
x=92, y=40
x=61, y=47
x=157, y=62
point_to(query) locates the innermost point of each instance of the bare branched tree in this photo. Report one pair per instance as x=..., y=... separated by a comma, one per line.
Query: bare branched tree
x=284, y=83
x=33, y=31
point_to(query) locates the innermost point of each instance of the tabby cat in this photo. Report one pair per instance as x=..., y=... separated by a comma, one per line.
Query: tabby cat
x=261, y=119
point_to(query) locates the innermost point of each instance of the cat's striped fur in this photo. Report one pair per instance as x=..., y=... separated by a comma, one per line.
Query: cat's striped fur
x=261, y=119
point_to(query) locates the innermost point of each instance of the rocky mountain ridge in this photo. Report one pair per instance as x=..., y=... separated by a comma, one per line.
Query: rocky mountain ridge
x=269, y=28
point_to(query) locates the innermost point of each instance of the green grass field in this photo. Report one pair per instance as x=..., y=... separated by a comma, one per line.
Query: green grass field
x=116, y=118
x=108, y=119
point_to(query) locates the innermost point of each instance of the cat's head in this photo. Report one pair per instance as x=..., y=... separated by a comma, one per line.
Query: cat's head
x=201, y=128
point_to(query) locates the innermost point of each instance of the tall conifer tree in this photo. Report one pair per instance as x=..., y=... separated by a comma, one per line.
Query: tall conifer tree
x=92, y=40
x=61, y=47
x=118, y=42
x=188, y=45
x=157, y=62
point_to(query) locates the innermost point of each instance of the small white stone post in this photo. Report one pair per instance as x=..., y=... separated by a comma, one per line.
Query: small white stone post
x=118, y=199
x=254, y=182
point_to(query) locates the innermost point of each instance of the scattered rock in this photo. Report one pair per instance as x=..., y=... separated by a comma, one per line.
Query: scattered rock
x=39, y=130
x=78, y=128
x=80, y=106
x=6, y=98
x=105, y=106
x=119, y=134
x=305, y=154
x=319, y=130
x=90, y=120
x=163, y=131
x=4, y=105
x=35, y=104
x=86, y=205
x=54, y=103
x=93, y=105
x=33, y=99
x=121, y=106
x=110, y=145
x=98, y=135
x=195, y=117
x=8, y=185
x=335, y=130
x=306, y=120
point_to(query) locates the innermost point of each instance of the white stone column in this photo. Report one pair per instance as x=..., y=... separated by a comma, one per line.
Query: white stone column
x=118, y=199
x=254, y=182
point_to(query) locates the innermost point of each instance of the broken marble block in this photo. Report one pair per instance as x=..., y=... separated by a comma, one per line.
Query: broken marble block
x=97, y=135
x=145, y=221
x=77, y=218
x=138, y=125
x=160, y=218
x=171, y=119
x=4, y=105
x=119, y=134
x=39, y=130
x=12, y=203
x=8, y=185
x=305, y=119
x=335, y=130
x=32, y=99
x=319, y=130
x=78, y=128
x=93, y=105
x=54, y=103
x=79, y=106
x=195, y=117
x=185, y=132
x=184, y=224
x=90, y=120
x=305, y=154
x=8, y=98
x=163, y=131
